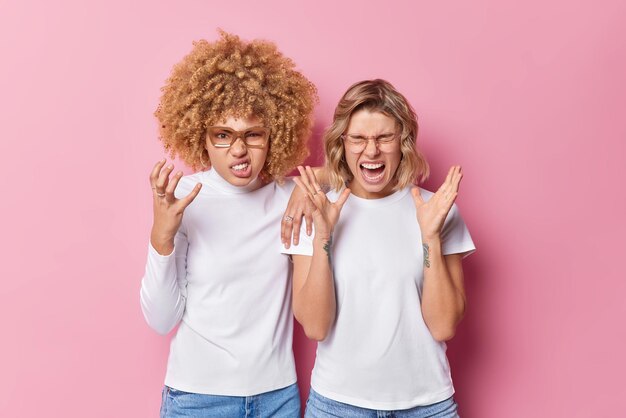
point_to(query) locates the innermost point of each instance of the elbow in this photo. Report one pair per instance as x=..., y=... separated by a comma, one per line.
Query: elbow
x=159, y=325
x=444, y=331
x=316, y=333
x=161, y=329
x=443, y=334
x=316, y=330
x=162, y=323
x=443, y=327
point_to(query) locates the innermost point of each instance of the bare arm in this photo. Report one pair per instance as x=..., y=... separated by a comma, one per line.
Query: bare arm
x=443, y=293
x=314, y=303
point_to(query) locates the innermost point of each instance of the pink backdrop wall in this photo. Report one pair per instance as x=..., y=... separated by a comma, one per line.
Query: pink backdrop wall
x=530, y=97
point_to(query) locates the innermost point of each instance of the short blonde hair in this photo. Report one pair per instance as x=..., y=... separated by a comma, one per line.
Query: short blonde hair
x=233, y=78
x=375, y=96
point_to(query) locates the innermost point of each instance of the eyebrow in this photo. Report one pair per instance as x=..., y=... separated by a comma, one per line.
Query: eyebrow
x=381, y=134
x=238, y=130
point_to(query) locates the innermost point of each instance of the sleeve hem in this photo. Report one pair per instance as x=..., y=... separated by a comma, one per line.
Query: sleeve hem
x=459, y=250
x=154, y=254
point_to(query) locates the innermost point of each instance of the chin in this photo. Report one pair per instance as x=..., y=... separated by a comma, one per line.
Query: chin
x=240, y=181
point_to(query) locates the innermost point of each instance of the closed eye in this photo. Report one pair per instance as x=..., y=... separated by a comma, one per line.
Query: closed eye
x=385, y=137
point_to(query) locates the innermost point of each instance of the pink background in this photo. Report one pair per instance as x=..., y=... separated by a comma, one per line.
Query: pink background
x=530, y=97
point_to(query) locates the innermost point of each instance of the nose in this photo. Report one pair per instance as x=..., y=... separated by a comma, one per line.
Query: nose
x=238, y=148
x=371, y=147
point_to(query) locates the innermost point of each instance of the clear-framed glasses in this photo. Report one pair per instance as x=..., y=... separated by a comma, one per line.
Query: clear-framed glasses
x=223, y=137
x=358, y=142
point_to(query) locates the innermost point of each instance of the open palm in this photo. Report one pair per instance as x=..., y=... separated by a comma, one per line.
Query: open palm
x=325, y=213
x=432, y=214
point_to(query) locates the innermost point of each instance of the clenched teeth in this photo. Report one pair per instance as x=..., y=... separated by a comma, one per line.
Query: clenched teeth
x=241, y=166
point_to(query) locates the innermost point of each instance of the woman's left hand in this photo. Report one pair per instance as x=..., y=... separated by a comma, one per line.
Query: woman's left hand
x=325, y=213
x=298, y=207
x=432, y=214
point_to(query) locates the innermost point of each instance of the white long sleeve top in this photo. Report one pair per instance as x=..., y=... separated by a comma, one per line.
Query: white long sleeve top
x=227, y=284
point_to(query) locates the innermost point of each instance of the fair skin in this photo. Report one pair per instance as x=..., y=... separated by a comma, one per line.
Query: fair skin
x=373, y=169
x=312, y=276
x=238, y=164
x=297, y=210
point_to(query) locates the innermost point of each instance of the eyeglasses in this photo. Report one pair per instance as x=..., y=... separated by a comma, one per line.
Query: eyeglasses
x=223, y=137
x=357, y=143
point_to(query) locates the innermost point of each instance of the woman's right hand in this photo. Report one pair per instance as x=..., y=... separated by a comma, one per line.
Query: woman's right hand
x=168, y=210
x=325, y=212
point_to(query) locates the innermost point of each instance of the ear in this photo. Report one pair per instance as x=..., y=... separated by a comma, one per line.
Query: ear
x=204, y=164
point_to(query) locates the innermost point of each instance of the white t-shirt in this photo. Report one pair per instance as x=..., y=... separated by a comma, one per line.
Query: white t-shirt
x=228, y=285
x=379, y=353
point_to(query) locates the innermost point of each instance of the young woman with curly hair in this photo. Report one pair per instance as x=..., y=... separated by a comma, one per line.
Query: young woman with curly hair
x=383, y=292
x=214, y=263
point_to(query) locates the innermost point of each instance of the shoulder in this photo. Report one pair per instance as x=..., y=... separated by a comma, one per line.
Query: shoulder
x=282, y=188
x=286, y=185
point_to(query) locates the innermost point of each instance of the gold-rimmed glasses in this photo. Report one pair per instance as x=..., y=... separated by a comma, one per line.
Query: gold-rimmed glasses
x=224, y=137
x=358, y=142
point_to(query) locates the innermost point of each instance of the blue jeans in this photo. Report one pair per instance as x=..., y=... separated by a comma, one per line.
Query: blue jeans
x=317, y=406
x=281, y=403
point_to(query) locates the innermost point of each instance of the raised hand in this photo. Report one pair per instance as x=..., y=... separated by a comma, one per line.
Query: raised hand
x=325, y=213
x=168, y=210
x=298, y=207
x=431, y=215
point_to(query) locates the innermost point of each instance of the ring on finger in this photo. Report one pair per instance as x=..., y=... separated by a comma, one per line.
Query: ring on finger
x=160, y=194
x=288, y=218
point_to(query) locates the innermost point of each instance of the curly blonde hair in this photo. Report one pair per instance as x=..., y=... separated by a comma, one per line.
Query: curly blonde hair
x=376, y=96
x=233, y=78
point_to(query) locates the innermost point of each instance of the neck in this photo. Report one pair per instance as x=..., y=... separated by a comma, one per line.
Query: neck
x=222, y=184
x=359, y=191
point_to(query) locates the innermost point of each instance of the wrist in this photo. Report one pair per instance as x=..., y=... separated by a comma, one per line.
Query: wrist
x=321, y=240
x=431, y=239
x=323, y=245
x=162, y=244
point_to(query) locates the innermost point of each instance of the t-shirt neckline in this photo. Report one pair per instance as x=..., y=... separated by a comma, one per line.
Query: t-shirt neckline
x=383, y=201
x=213, y=179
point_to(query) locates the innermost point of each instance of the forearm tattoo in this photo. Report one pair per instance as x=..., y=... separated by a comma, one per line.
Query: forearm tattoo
x=327, y=246
x=426, y=255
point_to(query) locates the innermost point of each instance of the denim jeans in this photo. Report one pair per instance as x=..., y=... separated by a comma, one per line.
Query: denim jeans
x=281, y=403
x=317, y=406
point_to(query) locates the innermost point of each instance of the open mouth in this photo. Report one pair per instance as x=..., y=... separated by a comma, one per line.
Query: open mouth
x=242, y=169
x=372, y=172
